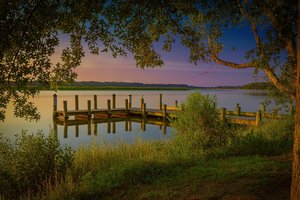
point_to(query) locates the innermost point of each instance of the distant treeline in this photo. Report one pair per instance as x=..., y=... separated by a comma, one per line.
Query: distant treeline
x=93, y=85
x=130, y=84
x=259, y=86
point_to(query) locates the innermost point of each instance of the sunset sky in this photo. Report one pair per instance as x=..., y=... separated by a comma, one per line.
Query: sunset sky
x=177, y=69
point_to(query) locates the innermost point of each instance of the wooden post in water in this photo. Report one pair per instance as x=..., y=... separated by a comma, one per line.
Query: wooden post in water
x=65, y=111
x=89, y=127
x=143, y=125
x=142, y=102
x=65, y=130
x=113, y=127
x=238, y=109
x=95, y=131
x=164, y=128
x=160, y=102
x=114, y=101
x=126, y=106
x=108, y=108
x=76, y=131
x=126, y=124
x=108, y=126
x=223, y=114
x=95, y=102
x=89, y=109
x=54, y=105
x=258, y=118
x=129, y=101
x=76, y=102
x=129, y=125
x=164, y=111
x=144, y=110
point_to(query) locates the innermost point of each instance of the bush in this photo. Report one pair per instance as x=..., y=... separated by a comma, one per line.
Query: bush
x=273, y=138
x=29, y=162
x=198, y=126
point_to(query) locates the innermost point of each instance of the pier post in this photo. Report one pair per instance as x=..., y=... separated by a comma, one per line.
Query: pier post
x=238, y=109
x=258, y=118
x=143, y=125
x=114, y=101
x=129, y=125
x=126, y=106
x=76, y=130
x=113, y=127
x=142, y=102
x=95, y=130
x=54, y=104
x=65, y=130
x=164, y=128
x=89, y=109
x=65, y=111
x=160, y=102
x=223, y=114
x=76, y=102
x=89, y=127
x=126, y=124
x=95, y=102
x=108, y=126
x=129, y=101
x=108, y=107
x=144, y=110
x=164, y=111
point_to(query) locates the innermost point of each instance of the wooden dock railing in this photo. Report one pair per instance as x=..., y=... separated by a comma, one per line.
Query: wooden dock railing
x=163, y=111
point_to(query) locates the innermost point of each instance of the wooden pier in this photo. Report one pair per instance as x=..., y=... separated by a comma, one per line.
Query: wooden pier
x=162, y=113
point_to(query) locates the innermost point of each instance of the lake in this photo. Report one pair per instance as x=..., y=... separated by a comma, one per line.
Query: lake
x=116, y=132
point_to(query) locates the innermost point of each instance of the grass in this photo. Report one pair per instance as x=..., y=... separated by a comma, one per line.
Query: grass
x=151, y=171
x=198, y=163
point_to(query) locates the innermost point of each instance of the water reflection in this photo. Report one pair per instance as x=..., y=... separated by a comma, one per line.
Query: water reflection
x=106, y=129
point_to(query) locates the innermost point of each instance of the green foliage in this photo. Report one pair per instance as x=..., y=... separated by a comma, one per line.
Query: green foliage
x=198, y=126
x=274, y=138
x=30, y=162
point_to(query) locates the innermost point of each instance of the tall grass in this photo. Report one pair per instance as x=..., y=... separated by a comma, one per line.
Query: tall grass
x=95, y=172
x=29, y=162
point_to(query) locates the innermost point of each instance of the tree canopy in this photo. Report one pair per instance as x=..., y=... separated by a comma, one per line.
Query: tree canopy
x=30, y=32
x=30, y=29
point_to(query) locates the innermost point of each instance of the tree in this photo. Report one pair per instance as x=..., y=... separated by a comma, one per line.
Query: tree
x=200, y=25
x=30, y=29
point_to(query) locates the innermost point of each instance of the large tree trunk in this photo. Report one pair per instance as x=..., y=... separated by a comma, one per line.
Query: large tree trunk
x=295, y=187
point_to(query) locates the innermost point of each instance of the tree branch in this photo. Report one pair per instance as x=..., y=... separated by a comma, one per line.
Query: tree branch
x=253, y=25
x=275, y=80
x=232, y=64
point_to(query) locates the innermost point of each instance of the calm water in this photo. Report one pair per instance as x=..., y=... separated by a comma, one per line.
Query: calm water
x=249, y=100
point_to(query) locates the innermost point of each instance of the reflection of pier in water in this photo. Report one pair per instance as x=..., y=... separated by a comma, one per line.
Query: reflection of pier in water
x=93, y=124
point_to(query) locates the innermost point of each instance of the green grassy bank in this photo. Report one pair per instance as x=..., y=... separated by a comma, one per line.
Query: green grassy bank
x=205, y=160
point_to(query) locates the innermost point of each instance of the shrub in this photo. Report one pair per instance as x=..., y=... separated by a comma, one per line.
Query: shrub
x=31, y=161
x=273, y=138
x=198, y=126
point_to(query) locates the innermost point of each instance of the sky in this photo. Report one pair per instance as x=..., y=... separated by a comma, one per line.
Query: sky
x=176, y=68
